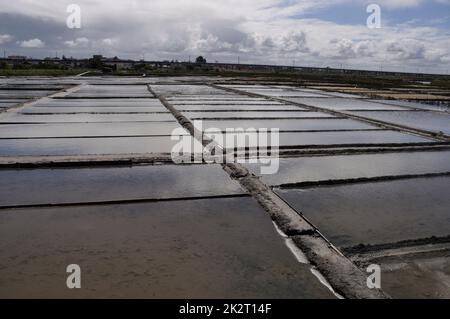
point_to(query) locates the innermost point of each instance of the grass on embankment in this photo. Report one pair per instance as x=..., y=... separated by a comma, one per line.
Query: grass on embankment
x=40, y=72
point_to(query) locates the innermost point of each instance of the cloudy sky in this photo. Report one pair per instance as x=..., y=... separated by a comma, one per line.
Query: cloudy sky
x=414, y=34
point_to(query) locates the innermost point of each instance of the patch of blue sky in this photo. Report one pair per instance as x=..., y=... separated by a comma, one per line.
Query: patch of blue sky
x=428, y=13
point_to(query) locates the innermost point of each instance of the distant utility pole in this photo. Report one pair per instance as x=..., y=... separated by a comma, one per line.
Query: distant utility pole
x=189, y=59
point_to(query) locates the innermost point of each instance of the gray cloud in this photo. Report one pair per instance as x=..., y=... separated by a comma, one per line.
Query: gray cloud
x=406, y=50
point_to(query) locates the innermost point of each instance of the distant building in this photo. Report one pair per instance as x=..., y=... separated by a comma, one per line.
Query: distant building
x=17, y=57
x=118, y=64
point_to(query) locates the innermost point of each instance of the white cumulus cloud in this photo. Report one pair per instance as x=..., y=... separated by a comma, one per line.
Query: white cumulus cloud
x=78, y=42
x=33, y=43
x=5, y=38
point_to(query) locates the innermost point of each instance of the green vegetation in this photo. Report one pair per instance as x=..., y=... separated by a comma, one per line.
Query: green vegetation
x=45, y=68
x=40, y=72
x=443, y=83
x=287, y=75
x=200, y=60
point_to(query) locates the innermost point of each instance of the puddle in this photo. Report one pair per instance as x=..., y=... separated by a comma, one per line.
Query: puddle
x=376, y=213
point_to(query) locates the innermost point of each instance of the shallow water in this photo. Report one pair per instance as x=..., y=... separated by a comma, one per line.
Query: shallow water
x=323, y=168
x=249, y=86
x=12, y=101
x=223, y=96
x=416, y=105
x=344, y=104
x=288, y=125
x=128, y=102
x=342, y=95
x=88, y=146
x=223, y=102
x=238, y=107
x=253, y=115
x=108, y=94
x=91, y=88
x=103, y=109
x=7, y=105
x=285, y=93
x=430, y=121
x=43, y=186
x=303, y=139
x=376, y=213
x=87, y=129
x=187, y=89
x=221, y=248
x=111, y=91
x=24, y=93
x=85, y=118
